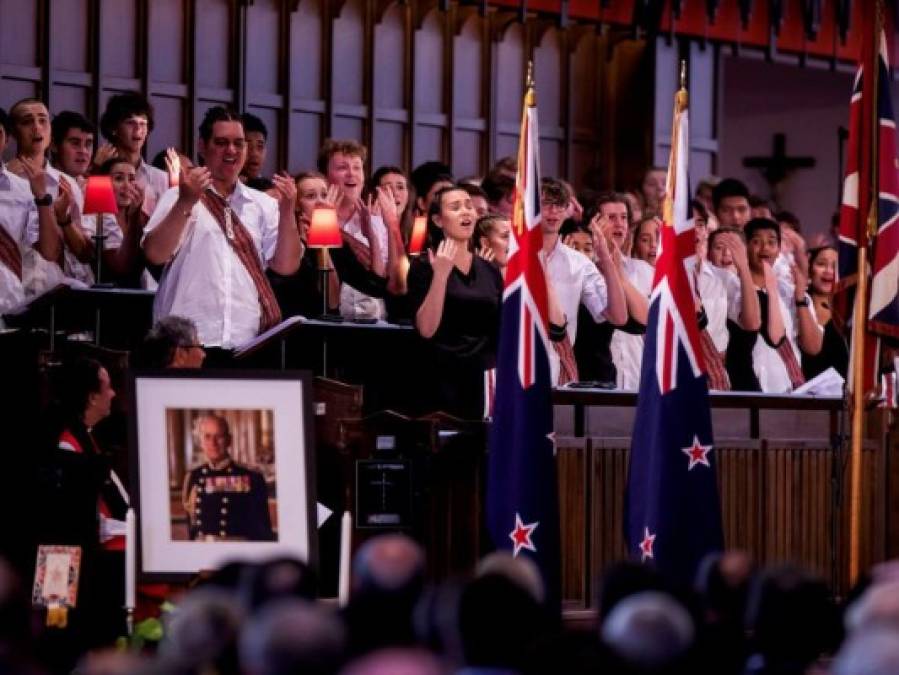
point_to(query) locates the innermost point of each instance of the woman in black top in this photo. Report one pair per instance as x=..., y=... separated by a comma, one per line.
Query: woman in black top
x=456, y=297
x=831, y=350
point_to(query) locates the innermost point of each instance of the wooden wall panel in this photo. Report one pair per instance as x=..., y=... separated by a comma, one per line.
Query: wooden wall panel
x=306, y=84
x=72, y=19
x=169, y=130
x=414, y=80
x=509, y=86
x=776, y=504
x=214, y=44
x=391, y=116
x=348, y=59
x=118, y=25
x=548, y=75
x=263, y=18
x=168, y=48
x=19, y=41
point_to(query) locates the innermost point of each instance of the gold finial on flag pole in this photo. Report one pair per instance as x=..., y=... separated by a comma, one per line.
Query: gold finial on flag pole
x=530, y=94
x=681, y=96
x=529, y=80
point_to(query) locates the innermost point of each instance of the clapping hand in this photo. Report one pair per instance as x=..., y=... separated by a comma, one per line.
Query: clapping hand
x=104, y=153
x=173, y=165
x=286, y=191
x=486, y=253
x=193, y=183
x=63, y=202
x=35, y=175
x=387, y=206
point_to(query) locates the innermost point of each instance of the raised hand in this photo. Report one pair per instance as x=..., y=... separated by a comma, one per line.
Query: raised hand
x=737, y=248
x=599, y=227
x=333, y=198
x=575, y=210
x=173, y=165
x=365, y=211
x=387, y=206
x=63, y=202
x=135, y=194
x=444, y=259
x=800, y=281
x=488, y=254
x=34, y=173
x=192, y=183
x=104, y=153
x=770, y=278
x=287, y=191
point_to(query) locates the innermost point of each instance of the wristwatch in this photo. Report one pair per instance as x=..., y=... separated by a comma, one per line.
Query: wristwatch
x=804, y=301
x=46, y=200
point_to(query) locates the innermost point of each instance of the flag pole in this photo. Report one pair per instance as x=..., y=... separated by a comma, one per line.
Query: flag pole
x=860, y=323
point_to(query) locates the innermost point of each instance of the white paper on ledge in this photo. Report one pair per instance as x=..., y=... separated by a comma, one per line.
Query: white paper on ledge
x=828, y=383
x=323, y=513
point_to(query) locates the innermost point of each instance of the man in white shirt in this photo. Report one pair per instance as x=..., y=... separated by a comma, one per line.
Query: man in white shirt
x=626, y=345
x=574, y=277
x=342, y=162
x=31, y=129
x=216, y=236
x=775, y=352
x=26, y=221
x=126, y=124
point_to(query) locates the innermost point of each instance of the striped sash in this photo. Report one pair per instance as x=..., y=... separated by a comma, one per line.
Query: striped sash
x=242, y=243
x=567, y=363
x=714, y=362
x=791, y=363
x=10, y=253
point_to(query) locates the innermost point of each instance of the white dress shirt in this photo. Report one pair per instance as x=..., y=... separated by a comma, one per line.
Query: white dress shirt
x=354, y=304
x=575, y=280
x=41, y=274
x=767, y=364
x=17, y=211
x=716, y=286
x=205, y=280
x=155, y=184
x=627, y=348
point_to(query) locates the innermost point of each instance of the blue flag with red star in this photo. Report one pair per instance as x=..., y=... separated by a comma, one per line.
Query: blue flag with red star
x=673, y=513
x=522, y=494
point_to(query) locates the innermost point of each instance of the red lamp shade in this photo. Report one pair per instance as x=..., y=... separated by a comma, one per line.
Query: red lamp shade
x=99, y=197
x=323, y=230
x=419, y=230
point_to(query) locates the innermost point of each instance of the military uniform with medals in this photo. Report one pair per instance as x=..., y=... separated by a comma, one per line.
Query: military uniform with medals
x=227, y=501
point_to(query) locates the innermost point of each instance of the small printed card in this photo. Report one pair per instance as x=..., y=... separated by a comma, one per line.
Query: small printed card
x=56, y=576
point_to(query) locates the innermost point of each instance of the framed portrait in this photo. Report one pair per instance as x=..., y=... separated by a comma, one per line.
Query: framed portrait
x=222, y=469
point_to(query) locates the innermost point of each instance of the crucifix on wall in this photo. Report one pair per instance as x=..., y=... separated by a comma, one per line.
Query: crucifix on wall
x=776, y=167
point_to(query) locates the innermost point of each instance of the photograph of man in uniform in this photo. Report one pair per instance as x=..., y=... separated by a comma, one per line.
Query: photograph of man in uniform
x=224, y=500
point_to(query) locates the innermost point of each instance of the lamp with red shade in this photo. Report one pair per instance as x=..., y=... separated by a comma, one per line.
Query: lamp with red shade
x=324, y=234
x=417, y=239
x=99, y=199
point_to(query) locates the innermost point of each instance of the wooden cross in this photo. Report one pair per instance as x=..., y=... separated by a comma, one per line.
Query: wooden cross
x=778, y=166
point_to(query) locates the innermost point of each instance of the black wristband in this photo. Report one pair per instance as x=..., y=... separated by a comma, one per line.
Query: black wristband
x=45, y=200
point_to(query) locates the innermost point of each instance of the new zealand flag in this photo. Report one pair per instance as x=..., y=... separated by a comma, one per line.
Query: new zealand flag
x=673, y=514
x=522, y=494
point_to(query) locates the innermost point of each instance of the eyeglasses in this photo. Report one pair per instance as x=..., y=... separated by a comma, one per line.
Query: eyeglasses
x=191, y=346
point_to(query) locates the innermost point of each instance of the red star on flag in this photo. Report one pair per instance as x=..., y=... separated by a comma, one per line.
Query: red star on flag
x=698, y=453
x=646, y=545
x=521, y=536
